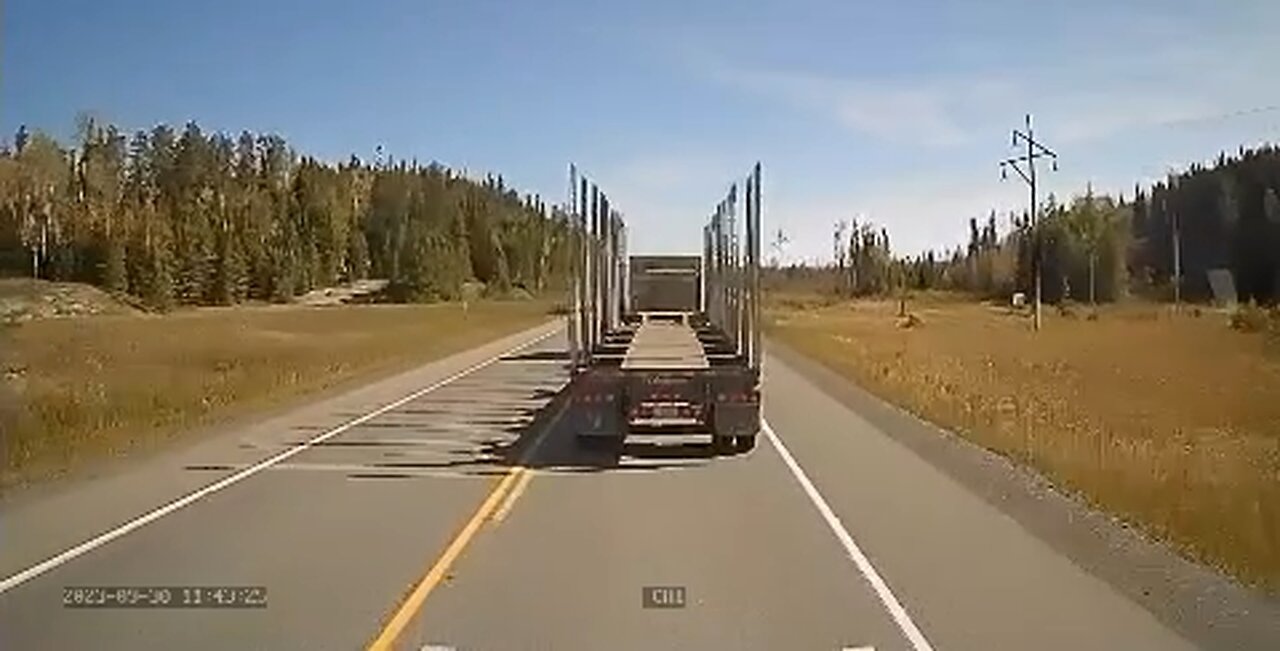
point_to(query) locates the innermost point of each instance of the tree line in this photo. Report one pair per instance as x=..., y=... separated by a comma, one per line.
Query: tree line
x=1101, y=248
x=1224, y=216
x=189, y=217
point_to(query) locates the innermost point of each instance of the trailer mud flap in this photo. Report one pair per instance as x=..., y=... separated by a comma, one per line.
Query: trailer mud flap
x=598, y=421
x=736, y=409
x=736, y=419
x=597, y=406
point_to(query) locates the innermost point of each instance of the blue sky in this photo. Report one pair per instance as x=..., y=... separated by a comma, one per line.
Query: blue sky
x=890, y=111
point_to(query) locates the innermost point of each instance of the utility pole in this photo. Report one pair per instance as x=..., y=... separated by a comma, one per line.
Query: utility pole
x=1035, y=150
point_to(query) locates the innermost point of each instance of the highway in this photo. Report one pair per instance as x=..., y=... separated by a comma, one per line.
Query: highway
x=448, y=508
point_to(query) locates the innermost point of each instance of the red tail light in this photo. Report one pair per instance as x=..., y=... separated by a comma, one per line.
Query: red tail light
x=739, y=396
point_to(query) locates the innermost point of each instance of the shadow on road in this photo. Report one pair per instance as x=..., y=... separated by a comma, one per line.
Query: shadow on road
x=539, y=356
x=682, y=450
x=482, y=427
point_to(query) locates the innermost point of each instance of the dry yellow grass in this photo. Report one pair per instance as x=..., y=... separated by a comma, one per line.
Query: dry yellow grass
x=103, y=385
x=1171, y=422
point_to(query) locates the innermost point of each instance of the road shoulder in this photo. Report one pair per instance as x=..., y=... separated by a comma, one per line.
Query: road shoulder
x=1197, y=602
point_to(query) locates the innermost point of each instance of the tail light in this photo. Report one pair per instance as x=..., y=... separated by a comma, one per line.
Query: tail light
x=752, y=395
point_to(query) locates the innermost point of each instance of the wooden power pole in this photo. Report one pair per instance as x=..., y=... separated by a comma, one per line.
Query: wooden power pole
x=1035, y=151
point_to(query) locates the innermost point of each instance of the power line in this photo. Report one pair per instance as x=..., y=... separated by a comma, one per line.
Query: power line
x=1218, y=116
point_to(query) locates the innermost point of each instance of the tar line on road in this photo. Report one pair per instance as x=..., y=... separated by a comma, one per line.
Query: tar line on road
x=890, y=602
x=8, y=583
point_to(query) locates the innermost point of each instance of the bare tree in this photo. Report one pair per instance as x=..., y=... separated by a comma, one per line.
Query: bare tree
x=779, y=245
x=839, y=253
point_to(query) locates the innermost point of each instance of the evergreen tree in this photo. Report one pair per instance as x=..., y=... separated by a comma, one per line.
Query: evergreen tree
x=115, y=277
x=199, y=218
x=231, y=275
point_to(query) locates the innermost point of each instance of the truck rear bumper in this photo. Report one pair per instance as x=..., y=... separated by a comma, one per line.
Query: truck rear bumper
x=689, y=413
x=612, y=403
x=726, y=420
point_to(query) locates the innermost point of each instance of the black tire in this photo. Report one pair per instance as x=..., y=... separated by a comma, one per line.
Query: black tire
x=744, y=444
x=722, y=444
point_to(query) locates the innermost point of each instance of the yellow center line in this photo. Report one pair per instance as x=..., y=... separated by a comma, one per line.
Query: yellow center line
x=510, y=486
x=513, y=495
x=386, y=639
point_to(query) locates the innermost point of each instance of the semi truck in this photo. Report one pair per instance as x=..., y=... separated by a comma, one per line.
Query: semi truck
x=666, y=344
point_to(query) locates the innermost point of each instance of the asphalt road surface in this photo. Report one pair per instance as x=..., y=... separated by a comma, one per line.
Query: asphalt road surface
x=448, y=508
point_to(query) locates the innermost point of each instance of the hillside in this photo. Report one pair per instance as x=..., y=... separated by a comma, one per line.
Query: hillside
x=23, y=299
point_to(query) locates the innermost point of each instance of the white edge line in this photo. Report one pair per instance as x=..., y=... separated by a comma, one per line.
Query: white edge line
x=159, y=512
x=891, y=603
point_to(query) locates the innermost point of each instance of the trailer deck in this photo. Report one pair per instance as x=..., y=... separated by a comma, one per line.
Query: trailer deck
x=665, y=345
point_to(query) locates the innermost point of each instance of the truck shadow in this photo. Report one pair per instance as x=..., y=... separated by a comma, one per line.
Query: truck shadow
x=538, y=356
x=480, y=431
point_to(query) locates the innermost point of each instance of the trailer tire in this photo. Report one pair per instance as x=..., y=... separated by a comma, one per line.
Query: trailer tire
x=722, y=444
x=744, y=444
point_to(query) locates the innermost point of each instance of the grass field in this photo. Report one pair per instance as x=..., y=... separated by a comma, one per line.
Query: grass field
x=1170, y=421
x=80, y=388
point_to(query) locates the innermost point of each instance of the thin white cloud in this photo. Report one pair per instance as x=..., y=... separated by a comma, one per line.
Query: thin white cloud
x=1165, y=96
x=669, y=171
x=1101, y=95
x=1083, y=119
x=1119, y=111
x=900, y=115
x=667, y=196
x=929, y=113
x=1183, y=77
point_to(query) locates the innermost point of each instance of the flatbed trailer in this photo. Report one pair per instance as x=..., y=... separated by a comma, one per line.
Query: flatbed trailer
x=678, y=351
